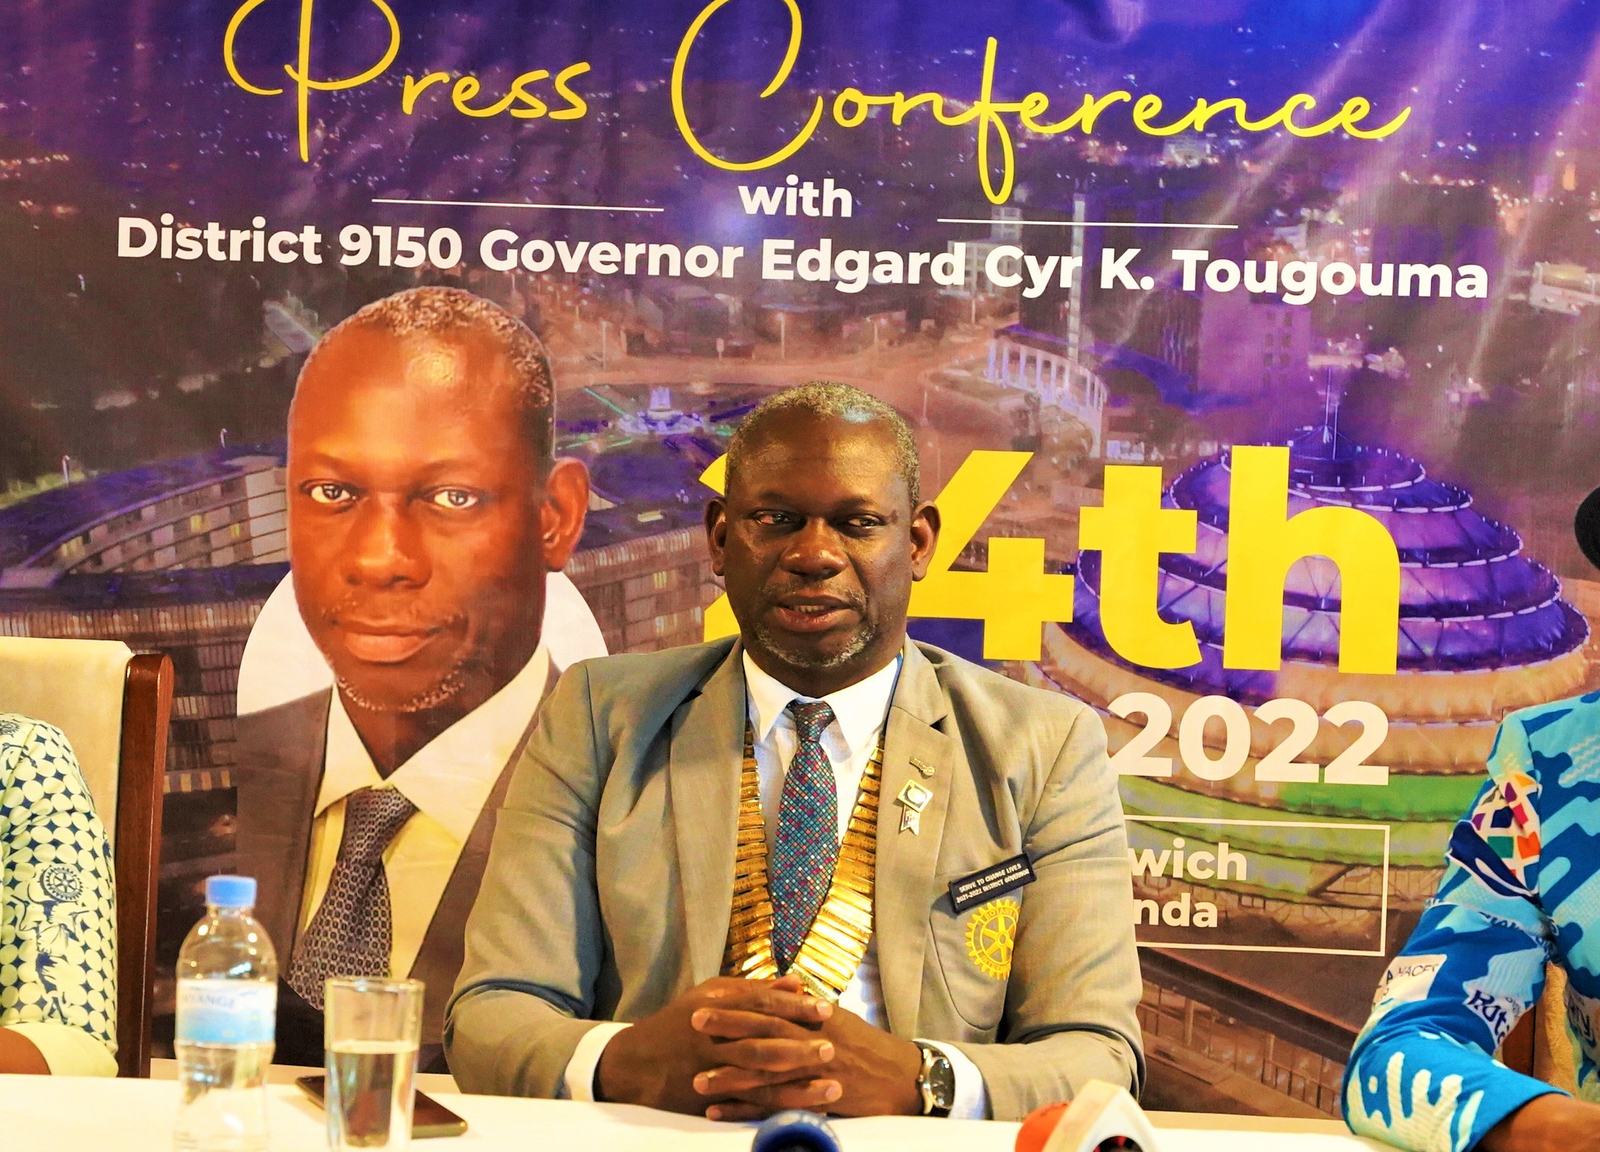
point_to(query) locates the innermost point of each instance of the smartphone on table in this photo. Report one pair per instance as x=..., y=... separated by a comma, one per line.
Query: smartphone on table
x=428, y=1116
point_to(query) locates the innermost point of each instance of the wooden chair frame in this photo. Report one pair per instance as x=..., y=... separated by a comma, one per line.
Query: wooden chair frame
x=141, y=787
x=1517, y=1049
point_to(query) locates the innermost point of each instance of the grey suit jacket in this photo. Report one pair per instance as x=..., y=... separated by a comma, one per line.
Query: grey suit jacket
x=279, y=774
x=610, y=877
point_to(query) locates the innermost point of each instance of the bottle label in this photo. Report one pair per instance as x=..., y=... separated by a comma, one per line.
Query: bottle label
x=225, y=1011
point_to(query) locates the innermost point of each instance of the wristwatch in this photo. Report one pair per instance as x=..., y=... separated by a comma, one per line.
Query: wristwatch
x=936, y=1081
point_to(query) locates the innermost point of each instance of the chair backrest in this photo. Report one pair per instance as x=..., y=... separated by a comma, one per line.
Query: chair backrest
x=114, y=707
x=1539, y=1045
x=1553, y=1059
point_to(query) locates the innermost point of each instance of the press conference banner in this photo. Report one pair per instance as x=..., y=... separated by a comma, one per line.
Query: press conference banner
x=1250, y=347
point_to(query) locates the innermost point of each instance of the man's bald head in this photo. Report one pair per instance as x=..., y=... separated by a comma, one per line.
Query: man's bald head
x=825, y=398
x=454, y=317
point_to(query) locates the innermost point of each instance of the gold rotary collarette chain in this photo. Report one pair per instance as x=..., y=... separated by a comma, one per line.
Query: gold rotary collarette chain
x=837, y=940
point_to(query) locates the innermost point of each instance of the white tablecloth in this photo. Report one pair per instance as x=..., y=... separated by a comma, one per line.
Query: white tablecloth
x=67, y=1114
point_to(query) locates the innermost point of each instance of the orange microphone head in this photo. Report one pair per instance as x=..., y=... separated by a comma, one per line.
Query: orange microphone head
x=1102, y=1118
x=1038, y=1126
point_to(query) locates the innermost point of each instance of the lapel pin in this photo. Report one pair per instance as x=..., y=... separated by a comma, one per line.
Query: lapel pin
x=924, y=768
x=913, y=798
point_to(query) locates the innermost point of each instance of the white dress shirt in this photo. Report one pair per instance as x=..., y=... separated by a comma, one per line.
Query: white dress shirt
x=449, y=780
x=859, y=715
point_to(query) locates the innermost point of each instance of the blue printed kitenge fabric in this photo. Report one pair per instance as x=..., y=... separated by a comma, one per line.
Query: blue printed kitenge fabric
x=57, y=914
x=1521, y=887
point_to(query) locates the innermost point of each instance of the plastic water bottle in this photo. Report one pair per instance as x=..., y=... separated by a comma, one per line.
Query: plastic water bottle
x=227, y=1003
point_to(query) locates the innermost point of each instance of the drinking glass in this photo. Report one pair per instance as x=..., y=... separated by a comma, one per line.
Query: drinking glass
x=371, y=1027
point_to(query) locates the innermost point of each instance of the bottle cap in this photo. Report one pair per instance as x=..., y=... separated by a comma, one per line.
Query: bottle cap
x=231, y=891
x=795, y=1131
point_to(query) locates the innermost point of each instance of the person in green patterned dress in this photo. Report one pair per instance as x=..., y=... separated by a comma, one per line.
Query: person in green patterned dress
x=58, y=936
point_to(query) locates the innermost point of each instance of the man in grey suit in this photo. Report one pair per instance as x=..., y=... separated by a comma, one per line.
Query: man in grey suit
x=659, y=925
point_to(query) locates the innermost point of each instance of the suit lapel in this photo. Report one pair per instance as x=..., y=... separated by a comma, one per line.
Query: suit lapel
x=438, y=961
x=906, y=861
x=707, y=747
x=278, y=777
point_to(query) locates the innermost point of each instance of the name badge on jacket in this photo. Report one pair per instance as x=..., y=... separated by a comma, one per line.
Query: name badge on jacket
x=987, y=883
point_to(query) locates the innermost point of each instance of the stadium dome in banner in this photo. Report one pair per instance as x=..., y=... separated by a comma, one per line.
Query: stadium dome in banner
x=1483, y=629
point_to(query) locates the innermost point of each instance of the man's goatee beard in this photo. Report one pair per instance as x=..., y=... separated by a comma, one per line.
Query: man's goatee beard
x=857, y=644
x=448, y=687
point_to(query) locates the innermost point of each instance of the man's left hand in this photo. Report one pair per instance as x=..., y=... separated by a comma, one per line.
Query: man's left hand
x=876, y=1073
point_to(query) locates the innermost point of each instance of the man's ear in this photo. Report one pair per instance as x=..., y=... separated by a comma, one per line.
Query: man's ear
x=566, y=500
x=716, y=530
x=924, y=538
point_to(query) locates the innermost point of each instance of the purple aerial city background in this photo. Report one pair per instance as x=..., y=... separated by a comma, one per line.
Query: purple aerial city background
x=143, y=401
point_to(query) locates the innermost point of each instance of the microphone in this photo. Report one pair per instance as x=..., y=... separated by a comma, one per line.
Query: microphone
x=1586, y=526
x=1100, y=1118
x=1038, y=1126
x=794, y=1131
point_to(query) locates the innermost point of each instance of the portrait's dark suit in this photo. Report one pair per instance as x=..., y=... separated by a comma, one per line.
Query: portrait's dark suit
x=278, y=776
x=610, y=881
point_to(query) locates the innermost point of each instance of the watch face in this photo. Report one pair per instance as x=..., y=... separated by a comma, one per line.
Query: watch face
x=942, y=1081
x=937, y=1081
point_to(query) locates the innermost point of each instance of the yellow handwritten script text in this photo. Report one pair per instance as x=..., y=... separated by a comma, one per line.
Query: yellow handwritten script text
x=519, y=101
x=1015, y=595
x=851, y=106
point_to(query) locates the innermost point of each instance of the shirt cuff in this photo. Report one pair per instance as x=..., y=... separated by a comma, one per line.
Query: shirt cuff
x=67, y=1050
x=578, y=1081
x=971, y=1100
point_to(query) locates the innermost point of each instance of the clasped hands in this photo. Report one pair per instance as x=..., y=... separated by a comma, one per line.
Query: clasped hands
x=736, y=1049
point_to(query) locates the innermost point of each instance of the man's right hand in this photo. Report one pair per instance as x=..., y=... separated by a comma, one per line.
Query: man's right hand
x=1549, y=1123
x=656, y=1060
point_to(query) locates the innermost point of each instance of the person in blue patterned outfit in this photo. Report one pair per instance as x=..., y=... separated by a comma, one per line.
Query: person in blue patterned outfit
x=58, y=936
x=1521, y=887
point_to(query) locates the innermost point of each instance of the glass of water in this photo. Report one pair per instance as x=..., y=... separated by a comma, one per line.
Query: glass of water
x=371, y=1026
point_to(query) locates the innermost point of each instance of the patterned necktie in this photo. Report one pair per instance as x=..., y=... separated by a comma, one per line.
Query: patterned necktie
x=808, y=834
x=353, y=930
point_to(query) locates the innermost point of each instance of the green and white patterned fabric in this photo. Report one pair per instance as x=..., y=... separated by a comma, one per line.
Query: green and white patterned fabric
x=58, y=937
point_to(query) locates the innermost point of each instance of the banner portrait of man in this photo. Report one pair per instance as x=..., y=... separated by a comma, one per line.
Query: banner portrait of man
x=426, y=513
